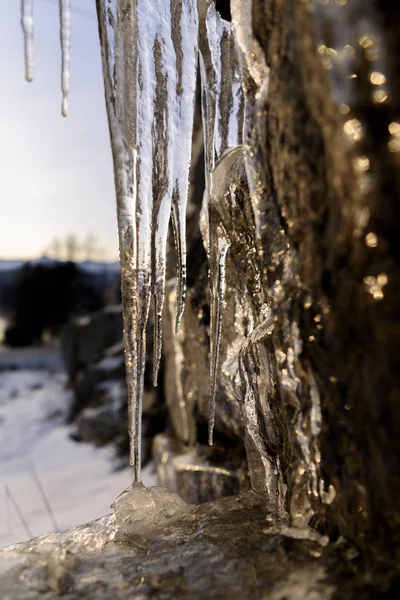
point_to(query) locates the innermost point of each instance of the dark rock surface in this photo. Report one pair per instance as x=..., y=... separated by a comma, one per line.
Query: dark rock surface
x=85, y=339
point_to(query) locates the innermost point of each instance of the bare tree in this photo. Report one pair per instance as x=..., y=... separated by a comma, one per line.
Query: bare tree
x=90, y=247
x=54, y=249
x=72, y=247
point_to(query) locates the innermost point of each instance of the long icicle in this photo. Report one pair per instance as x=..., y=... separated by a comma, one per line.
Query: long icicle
x=149, y=99
x=185, y=33
x=222, y=112
x=65, y=40
x=118, y=60
x=27, y=7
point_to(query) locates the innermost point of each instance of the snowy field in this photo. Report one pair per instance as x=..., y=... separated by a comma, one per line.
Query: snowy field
x=79, y=480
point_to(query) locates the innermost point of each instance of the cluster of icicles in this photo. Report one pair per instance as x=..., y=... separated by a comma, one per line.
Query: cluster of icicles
x=151, y=51
x=27, y=24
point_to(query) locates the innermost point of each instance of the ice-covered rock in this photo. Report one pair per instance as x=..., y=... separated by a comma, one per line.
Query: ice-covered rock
x=223, y=549
x=140, y=510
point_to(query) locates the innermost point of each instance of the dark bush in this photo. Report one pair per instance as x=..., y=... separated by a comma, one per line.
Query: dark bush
x=44, y=298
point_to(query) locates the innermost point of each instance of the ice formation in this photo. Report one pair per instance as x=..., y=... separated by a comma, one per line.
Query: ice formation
x=222, y=110
x=65, y=39
x=149, y=54
x=140, y=510
x=27, y=29
x=296, y=352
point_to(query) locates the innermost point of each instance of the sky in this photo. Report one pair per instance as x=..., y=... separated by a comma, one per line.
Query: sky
x=55, y=173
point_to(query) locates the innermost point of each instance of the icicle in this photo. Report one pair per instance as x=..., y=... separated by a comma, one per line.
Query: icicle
x=116, y=40
x=27, y=28
x=180, y=58
x=65, y=38
x=185, y=31
x=251, y=54
x=149, y=62
x=217, y=292
x=222, y=112
x=222, y=97
x=254, y=73
x=228, y=172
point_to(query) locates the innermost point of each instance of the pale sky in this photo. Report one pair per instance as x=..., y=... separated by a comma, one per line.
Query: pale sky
x=55, y=173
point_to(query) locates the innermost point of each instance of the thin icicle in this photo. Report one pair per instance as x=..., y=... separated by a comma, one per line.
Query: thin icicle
x=254, y=73
x=184, y=34
x=222, y=96
x=65, y=39
x=27, y=28
x=149, y=62
x=222, y=112
x=217, y=292
x=179, y=227
x=227, y=173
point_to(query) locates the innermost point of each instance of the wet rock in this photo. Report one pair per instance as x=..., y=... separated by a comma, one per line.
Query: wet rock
x=94, y=386
x=100, y=425
x=85, y=339
x=200, y=474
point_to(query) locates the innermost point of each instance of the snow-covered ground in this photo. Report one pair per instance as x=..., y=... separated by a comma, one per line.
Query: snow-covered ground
x=80, y=481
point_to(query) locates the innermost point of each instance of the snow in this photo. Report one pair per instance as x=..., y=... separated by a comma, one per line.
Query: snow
x=80, y=481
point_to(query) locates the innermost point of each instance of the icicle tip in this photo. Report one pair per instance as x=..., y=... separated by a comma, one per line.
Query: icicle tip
x=64, y=107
